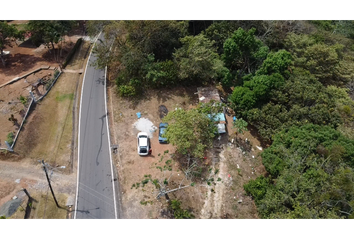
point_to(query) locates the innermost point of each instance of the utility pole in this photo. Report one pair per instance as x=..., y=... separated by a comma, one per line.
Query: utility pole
x=50, y=186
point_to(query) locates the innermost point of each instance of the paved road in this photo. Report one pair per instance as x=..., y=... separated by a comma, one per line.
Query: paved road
x=95, y=190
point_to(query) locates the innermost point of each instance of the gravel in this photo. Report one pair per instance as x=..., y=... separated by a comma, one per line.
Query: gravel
x=145, y=125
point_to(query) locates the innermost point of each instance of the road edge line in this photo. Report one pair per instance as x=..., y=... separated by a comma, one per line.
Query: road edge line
x=109, y=145
x=78, y=147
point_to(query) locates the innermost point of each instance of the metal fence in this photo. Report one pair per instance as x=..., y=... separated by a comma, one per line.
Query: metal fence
x=33, y=100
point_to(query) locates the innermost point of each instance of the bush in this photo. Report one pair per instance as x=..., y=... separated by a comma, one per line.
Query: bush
x=178, y=212
x=10, y=138
x=23, y=100
x=127, y=91
x=257, y=188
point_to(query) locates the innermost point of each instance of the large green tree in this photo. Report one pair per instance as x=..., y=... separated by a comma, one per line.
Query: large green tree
x=243, y=51
x=197, y=60
x=190, y=131
x=48, y=32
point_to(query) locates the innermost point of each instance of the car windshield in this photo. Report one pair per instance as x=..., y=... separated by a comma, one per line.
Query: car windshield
x=162, y=130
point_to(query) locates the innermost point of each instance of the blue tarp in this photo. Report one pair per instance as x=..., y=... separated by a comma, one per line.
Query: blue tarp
x=218, y=117
x=138, y=114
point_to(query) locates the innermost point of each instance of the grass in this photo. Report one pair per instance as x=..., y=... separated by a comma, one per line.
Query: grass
x=63, y=97
x=46, y=208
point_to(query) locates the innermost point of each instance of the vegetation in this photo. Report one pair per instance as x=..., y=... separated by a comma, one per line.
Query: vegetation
x=8, y=35
x=291, y=80
x=10, y=138
x=178, y=212
x=190, y=131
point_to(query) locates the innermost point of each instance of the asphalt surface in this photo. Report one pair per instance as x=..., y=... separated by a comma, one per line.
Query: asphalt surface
x=95, y=192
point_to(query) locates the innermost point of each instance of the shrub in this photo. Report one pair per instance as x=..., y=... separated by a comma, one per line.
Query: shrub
x=257, y=188
x=23, y=100
x=10, y=138
x=127, y=91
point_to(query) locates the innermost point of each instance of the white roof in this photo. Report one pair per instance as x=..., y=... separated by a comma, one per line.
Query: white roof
x=143, y=142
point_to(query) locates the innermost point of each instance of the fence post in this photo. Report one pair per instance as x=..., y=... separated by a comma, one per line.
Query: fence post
x=8, y=146
x=34, y=99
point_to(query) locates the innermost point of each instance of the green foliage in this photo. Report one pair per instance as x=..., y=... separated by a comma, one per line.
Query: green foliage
x=244, y=51
x=243, y=99
x=162, y=74
x=299, y=101
x=312, y=167
x=10, y=138
x=197, y=60
x=276, y=62
x=48, y=31
x=8, y=35
x=326, y=25
x=178, y=212
x=127, y=90
x=326, y=62
x=23, y=100
x=255, y=90
x=240, y=125
x=190, y=131
x=257, y=188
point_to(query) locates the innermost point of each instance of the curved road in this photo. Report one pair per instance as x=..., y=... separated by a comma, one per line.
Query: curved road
x=95, y=195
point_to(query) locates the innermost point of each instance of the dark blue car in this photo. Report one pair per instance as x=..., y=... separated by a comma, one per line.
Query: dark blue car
x=162, y=129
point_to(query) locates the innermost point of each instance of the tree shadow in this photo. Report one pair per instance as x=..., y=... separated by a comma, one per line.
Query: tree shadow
x=27, y=44
x=18, y=62
x=254, y=132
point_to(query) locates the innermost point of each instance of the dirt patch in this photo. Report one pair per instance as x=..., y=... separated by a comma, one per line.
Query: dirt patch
x=230, y=168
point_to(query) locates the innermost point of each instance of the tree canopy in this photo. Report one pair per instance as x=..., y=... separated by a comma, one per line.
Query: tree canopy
x=190, y=131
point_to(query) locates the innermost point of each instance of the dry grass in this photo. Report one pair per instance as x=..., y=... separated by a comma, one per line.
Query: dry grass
x=43, y=207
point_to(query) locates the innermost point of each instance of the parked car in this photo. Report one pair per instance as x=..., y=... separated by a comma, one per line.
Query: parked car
x=143, y=144
x=162, y=129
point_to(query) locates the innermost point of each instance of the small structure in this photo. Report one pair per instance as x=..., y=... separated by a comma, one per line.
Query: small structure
x=220, y=121
x=205, y=95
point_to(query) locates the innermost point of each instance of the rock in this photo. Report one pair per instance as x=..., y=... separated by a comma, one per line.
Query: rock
x=18, y=180
x=238, y=166
x=260, y=148
x=14, y=198
x=239, y=201
x=252, y=156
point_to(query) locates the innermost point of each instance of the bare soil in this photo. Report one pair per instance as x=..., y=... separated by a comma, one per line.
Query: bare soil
x=48, y=135
x=224, y=198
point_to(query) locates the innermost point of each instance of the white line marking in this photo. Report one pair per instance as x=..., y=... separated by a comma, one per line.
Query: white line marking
x=109, y=143
x=78, y=157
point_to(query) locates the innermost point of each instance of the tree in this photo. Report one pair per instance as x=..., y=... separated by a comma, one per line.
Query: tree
x=197, y=60
x=311, y=175
x=8, y=34
x=276, y=62
x=244, y=51
x=300, y=100
x=48, y=32
x=190, y=131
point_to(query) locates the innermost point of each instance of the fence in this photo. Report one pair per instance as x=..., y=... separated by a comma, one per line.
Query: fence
x=33, y=100
x=19, y=129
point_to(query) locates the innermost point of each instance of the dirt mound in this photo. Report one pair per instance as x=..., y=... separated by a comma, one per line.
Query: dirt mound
x=162, y=111
x=145, y=125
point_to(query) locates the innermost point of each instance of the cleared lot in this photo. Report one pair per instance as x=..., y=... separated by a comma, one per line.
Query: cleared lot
x=233, y=168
